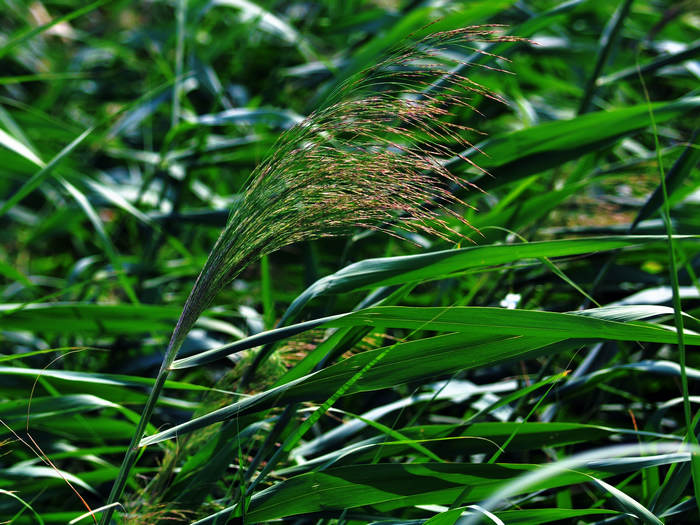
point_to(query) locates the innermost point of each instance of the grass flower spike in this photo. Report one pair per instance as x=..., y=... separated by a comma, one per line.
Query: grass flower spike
x=374, y=156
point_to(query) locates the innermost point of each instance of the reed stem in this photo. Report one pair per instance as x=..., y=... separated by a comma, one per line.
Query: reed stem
x=132, y=451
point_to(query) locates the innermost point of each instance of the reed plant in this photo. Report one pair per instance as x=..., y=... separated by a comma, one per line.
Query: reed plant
x=374, y=156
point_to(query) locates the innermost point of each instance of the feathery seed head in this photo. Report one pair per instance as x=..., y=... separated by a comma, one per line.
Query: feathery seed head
x=373, y=157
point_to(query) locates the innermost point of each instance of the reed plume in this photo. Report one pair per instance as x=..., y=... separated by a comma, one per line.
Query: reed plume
x=374, y=156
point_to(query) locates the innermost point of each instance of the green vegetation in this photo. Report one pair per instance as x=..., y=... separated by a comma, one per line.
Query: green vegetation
x=348, y=262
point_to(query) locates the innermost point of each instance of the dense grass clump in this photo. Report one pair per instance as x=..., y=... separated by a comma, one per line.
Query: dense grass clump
x=349, y=262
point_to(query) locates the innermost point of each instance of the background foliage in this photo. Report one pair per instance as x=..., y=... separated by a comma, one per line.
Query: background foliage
x=128, y=132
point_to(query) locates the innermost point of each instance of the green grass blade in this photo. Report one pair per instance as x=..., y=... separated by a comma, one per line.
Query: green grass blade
x=681, y=169
x=429, y=266
x=690, y=52
x=19, y=148
x=519, y=154
x=69, y=318
x=391, y=486
x=488, y=321
x=11, y=494
x=469, y=438
x=628, y=503
x=618, y=457
x=270, y=336
x=520, y=333
x=416, y=360
x=678, y=317
x=107, y=245
x=607, y=39
x=42, y=174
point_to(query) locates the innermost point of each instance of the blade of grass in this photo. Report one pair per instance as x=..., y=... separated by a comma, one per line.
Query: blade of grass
x=628, y=503
x=688, y=53
x=11, y=494
x=390, y=486
x=607, y=39
x=681, y=169
x=44, y=172
x=596, y=323
x=31, y=33
x=18, y=147
x=107, y=245
x=429, y=266
x=502, y=449
x=435, y=265
x=596, y=458
x=465, y=439
x=677, y=311
x=395, y=434
x=180, y=8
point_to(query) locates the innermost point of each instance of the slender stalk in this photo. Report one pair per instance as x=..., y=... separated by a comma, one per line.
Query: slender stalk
x=690, y=436
x=179, y=54
x=132, y=451
x=677, y=311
